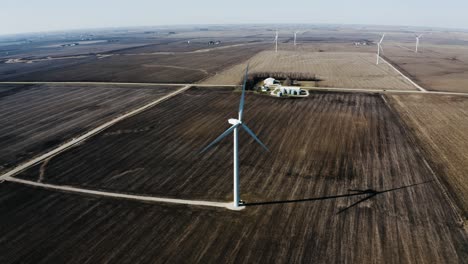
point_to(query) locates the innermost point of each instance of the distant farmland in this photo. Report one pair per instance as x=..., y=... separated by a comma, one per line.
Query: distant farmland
x=335, y=69
x=35, y=118
x=344, y=181
x=155, y=68
x=435, y=67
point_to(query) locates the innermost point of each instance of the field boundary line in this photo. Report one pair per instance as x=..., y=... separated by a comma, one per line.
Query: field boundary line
x=406, y=48
x=134, y=197
x=202, y=50
x=384, y=91
x=100, y=83
x=404, y=76
x=380, y=90
x=358, y=89
x=87, y=135
x=126, y=83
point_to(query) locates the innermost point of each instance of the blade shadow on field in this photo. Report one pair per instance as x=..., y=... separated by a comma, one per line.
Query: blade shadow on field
x=351, y=192
x=372, y=193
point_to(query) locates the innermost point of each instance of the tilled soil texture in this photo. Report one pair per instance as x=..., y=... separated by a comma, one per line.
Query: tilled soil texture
x=35, y=118
x=441, y=125
x=169, y=67
x=331, y=155
x=348, y=139
x=40, y=226
x=333, y=69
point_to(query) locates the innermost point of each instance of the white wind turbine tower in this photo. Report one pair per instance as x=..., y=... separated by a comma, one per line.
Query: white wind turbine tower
x=276, y=41
x=379, y=48
x=417, y=42
x=295, y=37
x=236, y=125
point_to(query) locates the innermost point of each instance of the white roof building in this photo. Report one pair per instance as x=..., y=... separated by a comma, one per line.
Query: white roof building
x=269, y=81
x=280, y=91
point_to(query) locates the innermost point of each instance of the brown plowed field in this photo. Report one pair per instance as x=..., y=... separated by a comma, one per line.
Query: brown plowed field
x=344, y=182
x=335, y=69
x=441, y=125
x=34, y=118
x=160, y=68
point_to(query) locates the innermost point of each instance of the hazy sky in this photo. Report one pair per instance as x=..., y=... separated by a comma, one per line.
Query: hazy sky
x=48, y=15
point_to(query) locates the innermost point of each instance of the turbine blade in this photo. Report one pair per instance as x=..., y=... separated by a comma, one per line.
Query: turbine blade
x=242, y=100
x=218, y=139
x=252, y=134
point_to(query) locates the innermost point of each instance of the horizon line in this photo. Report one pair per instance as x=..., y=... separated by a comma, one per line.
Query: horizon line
x=98, y=28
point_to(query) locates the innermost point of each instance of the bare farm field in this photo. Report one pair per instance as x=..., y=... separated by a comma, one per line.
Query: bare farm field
x=441, y=125
x=334, y=69
x=178, y=46
x=435, y=67
x=35, y=118
x=146, y=68
x=13, y=71
x=343, y=182
x=100, y=230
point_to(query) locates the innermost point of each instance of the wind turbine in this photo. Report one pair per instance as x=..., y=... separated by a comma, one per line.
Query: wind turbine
x=276, y=41
x=295, y=36
x=417, y=42
x=379, y=48
x=236, y=125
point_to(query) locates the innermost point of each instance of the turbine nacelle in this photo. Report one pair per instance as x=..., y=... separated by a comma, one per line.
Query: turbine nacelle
x=234, y=122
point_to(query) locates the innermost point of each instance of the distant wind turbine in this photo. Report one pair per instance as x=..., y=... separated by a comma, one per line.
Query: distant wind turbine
x=417, y=42
x=379, y=48
x=276, y=41
x=295, y=37
x=236, y=124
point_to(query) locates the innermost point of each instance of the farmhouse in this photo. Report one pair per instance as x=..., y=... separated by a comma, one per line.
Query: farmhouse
x=269, y=84
x=269, y=81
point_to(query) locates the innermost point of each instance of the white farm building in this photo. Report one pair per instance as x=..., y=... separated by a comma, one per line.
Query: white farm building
x=280, y=91
x=269, y=82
